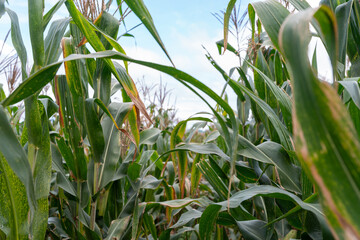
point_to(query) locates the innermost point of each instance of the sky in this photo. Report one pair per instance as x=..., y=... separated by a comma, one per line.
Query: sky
x=185, y=27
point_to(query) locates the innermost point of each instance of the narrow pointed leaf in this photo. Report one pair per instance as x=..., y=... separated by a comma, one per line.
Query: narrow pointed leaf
x=94, y=130
x=269, y=191
x=47, y=17
x=141, y=11
x=208, y=221
x=351, y=85
x=343, y=12
x=300, y=4
x=112, y=148
x=325, y=138
x=53, y=39
x=253, y=229
x=2, y=8
x=149, y=136
x=61, y=178
x=208, y=148
x=18, y=41
x=13, y=203
x=16, y=157
x=36, y=8
x=271, y=14
x=227, y=15
x=117, y=228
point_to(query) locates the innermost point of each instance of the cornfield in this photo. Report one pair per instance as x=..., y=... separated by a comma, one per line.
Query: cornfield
x=283, y=164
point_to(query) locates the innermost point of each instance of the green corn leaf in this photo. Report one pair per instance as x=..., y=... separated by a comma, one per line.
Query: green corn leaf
x=187, y=217
x=50, y=106
x=314, y=63
x=31, y=85
x=2, y=8
x=112, y=148
x=149, y=136
x=94, y=130
x=76, y=159
x=215, y=181
x=325, y=138
x=208, y=222
x=150, y=225
x=271, y=22
x=47, y=17
x=174, y=140
x=300, y=4
x=53, y=39
x=18, y=41
x=351, y=85
x=136, y=217
x=13, y=203
x=16, y=157
x=283, y=99
x=102, y=77
x=343, y=12
x=227, y=15
x=61, y=179
x=253, y=229
x=279, y=71
x=220, y=46
x=270, y=191
x=150, y=182
x=181, y=203
x=195, y=175
x=139, y=8
x=72, y=76
x=271, y=115
x=208, y=148
x=263, y=90
x=39, y=142
x=35, y=8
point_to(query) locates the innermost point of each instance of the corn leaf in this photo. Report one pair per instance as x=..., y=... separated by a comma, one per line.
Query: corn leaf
x=272, y=22
x=16, y=157
x=273, y=192
x=47, y=17
x=141, y=11
x=343, y=12
x=207, y=221
x=18, y=41
x=53, y=39
x=94, y=130
x=13, y=203
x=227, y=15
x=325, y=138
x=112, y=148
x=2, y=8
x=36, y=8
